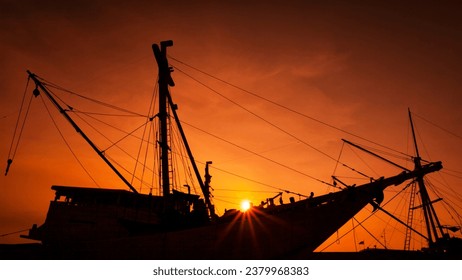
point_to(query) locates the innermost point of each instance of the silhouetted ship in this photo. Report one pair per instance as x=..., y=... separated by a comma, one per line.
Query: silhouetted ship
x=95, y=223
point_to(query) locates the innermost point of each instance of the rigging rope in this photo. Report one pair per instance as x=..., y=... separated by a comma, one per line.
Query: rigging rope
x=11, y=233
x=149, y=119
x=67, y=144
x=281, y=106
x=445, y=201
x=438, y=126
x=125, y=169
x=127, y=135
x=136, y=114
x=364, y=162
x=338, y=159
x=354, y=234
x=145, y=157
x=115, y=144
x=275, y=126
x=365, y=219
x=78, y=114
x=255, y=181
x=92, y=115
x=15, y=141
x=184, y=159
x=256, y=154
x=50, y=84
x=107, y=124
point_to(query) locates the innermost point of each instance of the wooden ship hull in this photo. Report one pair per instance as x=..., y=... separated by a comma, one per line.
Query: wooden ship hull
x=84, y=223
x=116, y=232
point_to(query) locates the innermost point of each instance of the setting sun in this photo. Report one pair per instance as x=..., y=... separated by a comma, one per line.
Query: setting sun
x=245, y=205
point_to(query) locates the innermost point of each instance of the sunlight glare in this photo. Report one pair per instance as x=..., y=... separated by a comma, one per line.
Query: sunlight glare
x=245, y=205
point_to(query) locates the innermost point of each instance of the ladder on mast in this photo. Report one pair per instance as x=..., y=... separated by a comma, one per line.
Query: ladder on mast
x=410, y=217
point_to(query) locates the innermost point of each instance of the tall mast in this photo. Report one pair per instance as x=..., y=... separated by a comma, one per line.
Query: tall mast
x=434, y=229
x=77, y=128
x=165, y=80
x=165, y=101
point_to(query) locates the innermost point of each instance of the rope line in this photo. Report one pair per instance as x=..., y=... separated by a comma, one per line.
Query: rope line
x=67, y=143
x=275, y=126
x=53, y=85
x=11, y=233
x=256, y=154
x=438, y=126
x=365, y=219
x=282, y=106
x=17, y=121
x=16, y=140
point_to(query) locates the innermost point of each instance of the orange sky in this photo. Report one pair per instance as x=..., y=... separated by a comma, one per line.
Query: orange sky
x=355, y=66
